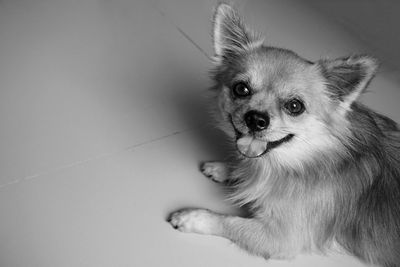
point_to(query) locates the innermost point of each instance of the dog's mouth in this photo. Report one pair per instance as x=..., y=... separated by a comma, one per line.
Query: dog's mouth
x=251, y=147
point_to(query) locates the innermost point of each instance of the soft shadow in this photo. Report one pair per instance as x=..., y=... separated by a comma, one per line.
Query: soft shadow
x=187, y=95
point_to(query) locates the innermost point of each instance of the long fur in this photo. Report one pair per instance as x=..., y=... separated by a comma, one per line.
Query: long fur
x=345, y=191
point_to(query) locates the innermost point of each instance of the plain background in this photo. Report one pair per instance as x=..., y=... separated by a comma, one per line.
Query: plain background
x=98, y=137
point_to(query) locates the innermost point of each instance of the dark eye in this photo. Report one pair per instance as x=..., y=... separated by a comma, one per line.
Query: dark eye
x=241, y=90
x=294, y=107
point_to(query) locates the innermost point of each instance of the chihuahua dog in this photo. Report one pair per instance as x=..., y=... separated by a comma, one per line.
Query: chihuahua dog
x=316, y=168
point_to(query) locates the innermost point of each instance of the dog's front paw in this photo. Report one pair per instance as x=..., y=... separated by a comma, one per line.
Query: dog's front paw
x=216, y=171
x=198, y=221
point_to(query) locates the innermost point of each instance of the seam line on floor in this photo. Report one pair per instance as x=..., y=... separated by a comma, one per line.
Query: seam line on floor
x=129, y=148
x=182, y=32
x=99, y=156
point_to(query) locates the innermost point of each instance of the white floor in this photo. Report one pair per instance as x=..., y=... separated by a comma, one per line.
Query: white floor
x=98, y=137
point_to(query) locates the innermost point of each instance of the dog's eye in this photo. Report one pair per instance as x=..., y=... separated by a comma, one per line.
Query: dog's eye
x=241, y=90
x=294, y=107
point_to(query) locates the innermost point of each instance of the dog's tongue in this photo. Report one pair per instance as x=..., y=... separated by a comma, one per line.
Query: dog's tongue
x=251, y=147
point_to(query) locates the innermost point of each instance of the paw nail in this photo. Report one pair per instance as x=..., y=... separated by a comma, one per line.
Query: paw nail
x=202, y=166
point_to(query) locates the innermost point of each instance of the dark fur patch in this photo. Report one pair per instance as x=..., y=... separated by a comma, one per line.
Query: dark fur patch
x=373, y=230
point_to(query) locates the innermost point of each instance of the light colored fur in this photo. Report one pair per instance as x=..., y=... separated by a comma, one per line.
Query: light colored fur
x=336, y=182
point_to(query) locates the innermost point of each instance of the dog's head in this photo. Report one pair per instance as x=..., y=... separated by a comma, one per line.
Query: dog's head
x=272, y=101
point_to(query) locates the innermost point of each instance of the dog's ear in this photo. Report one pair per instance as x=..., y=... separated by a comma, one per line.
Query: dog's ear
x=230, y=35
x=348, y=77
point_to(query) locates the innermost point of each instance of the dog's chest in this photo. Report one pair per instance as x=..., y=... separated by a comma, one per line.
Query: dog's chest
x=302, y=207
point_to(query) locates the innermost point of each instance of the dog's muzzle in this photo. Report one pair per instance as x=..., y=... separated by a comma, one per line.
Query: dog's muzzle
x=251, y=147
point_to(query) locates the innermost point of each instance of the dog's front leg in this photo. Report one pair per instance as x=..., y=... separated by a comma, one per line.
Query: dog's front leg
x=215, y=170
x=249, y=233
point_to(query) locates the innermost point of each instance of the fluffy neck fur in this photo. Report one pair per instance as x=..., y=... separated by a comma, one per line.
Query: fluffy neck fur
x=324, y=198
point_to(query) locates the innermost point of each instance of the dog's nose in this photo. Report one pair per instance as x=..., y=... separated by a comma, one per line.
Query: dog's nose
x=256, y=121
